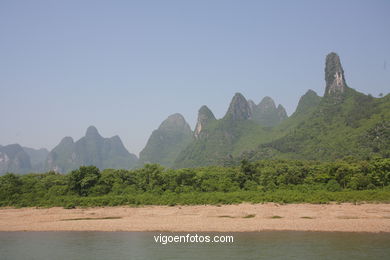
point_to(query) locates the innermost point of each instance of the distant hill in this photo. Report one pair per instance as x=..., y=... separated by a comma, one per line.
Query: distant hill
x=92, y=149
x=13, y=158
x=37, y=158
x=267, y=114
x=166, y=142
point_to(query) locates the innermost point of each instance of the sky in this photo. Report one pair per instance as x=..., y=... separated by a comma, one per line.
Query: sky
x=125, y=66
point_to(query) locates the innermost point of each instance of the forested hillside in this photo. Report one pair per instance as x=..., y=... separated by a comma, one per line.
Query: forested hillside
x=343, y=123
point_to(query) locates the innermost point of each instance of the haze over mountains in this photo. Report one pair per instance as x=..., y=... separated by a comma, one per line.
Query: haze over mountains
x=342, y=123
x=166, y=142
x=92, y=149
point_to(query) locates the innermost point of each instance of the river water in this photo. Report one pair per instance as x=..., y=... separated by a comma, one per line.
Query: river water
x=142, y=245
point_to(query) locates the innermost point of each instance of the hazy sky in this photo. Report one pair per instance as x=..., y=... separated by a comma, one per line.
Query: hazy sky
x=124, y=66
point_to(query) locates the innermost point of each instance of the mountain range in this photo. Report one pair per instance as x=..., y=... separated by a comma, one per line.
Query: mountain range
x=343, y=122
x=92, y=149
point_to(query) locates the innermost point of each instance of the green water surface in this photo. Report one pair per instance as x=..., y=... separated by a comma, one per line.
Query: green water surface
x=141, y=245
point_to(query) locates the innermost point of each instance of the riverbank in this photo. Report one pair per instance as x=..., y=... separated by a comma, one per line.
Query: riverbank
x=344, y=217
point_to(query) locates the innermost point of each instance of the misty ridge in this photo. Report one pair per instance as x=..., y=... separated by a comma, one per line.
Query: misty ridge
x=341, y=123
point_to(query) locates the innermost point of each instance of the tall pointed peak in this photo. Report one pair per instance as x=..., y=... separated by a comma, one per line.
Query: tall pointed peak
x=205, y=113
x=267, y=103
x=334, y=76
x=204, y=117
x=92, y=132
x=281, y=112
x=239, y=108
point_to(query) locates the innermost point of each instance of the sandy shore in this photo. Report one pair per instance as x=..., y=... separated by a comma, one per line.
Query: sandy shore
x=226, y=218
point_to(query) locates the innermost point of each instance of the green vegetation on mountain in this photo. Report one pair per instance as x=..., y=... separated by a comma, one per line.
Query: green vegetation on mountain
x=343, y=123
x=267, y=114
x=221, y=140
x=282, y=181
x=92, y=149
x=165, y=143
x=358, y=127
x=307, y=103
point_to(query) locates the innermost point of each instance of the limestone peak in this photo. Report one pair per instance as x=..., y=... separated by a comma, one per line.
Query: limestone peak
x=334, y=76
x=204, y=117
x=239, y=108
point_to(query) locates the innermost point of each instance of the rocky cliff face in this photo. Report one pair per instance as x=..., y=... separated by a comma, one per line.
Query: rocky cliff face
x=166, y=142
x=205, y=116
x=92, y=149
x=239, y=108
x=334, y=76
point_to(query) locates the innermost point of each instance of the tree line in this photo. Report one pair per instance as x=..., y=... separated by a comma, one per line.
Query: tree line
x=266, y=180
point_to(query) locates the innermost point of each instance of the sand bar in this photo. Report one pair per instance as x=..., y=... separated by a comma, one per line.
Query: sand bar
x=226, y=218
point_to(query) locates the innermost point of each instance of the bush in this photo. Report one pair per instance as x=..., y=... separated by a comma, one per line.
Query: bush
x=333, y=185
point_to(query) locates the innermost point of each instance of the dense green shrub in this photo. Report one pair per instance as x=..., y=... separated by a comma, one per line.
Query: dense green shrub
x=282, y=181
